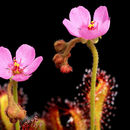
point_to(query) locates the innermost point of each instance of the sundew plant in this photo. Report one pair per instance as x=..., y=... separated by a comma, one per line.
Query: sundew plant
x=96, y=94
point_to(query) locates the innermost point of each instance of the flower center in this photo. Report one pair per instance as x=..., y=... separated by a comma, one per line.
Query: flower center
x=16, y=67
x=91, y=25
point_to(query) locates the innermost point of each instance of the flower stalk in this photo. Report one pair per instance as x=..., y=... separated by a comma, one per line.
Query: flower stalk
x=65, y=54
x=15, y=94
x=14, y=111
x=93, y=49
x=15, y=91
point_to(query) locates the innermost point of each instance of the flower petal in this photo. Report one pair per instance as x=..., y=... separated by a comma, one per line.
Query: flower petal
x=79, y=16
x=73, y=30
x=32, y=67
x=25, y=55
x=5, y=57
x=75, y=17
x=5, y=73
x=101, y=14
x=89, y=34
x=104, y=27
x=85, y=15
x=21, y=77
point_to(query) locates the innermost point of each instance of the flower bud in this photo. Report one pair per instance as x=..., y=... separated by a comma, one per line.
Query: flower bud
x=59, y=45
x=66, y=68
x=58, y=60
x=15, y=112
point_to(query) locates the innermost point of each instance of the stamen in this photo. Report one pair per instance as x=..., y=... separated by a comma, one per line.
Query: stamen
x=91, y=25
x=16, y=67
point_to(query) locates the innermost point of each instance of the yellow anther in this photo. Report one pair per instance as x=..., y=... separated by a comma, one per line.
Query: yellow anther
x=91, y=25
x=16, y=64
x=92, y=22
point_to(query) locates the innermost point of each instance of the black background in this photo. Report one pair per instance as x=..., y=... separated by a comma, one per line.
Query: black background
x=39, y=24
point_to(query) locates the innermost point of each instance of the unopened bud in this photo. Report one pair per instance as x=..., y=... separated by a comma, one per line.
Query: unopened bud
x=59, y=45
x=15, y=112
x=58, y=60
x=66, y=68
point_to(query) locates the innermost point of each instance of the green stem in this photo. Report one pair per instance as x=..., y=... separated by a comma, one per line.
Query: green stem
x=93, y=49
x=91, y=46
x=15, y=94
x=98, y=125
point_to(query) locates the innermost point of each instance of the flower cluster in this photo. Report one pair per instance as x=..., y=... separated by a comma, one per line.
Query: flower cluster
x=60, y=59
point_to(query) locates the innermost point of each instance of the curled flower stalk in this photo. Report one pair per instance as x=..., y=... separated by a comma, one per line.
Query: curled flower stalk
x=64, y=55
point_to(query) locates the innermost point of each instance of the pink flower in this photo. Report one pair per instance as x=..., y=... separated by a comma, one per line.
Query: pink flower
x=80, y=24
x=20, y=67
